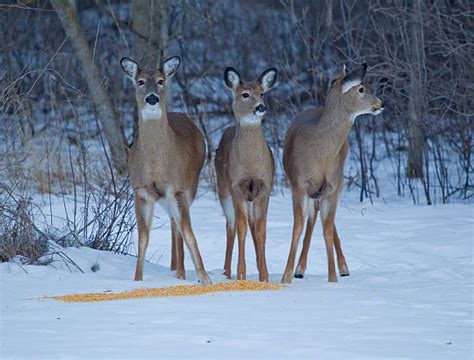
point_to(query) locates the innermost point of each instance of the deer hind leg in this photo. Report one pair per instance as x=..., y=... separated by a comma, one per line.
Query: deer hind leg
x=230, y=233
x=240, y=206
x=301, y=268
x=259, y=216
x=252, y=225
x=144, y=215
x=173, y=246
x=179, y=211
x=252, y=219
x=341, y=260
x=177, y=252
x=328, y=212
x=300, y=204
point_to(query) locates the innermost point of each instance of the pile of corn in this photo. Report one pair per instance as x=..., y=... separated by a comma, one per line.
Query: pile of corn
x=180, y=290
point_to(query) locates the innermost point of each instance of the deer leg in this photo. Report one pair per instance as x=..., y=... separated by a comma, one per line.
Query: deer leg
x=299, y=213
x=144, y=215
x=180, y=213
x=328, y=213
x=252, y=225
x=173, y=246
x=341, y=260
x=230, y=233
x=179, y=251
x=301, y=268
x=260, y=216
x=241, y=224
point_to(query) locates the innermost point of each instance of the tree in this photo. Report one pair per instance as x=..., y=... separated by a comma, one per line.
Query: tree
x=416, y=133
x=67, y=13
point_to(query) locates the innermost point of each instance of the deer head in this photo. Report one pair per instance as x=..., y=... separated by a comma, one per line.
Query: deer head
x=248, y=97
x=352, y=96
x=150, y=86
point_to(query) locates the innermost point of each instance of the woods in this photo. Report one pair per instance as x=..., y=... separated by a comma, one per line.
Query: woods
x=61, y=60
x=68, y=115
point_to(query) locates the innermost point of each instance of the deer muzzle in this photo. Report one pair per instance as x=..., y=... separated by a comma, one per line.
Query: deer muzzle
x=152, y=99
x=260, y=109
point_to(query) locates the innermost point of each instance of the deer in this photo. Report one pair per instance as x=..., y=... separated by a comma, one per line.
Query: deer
x=315, y=149
x=245, y=169
x=164, y=165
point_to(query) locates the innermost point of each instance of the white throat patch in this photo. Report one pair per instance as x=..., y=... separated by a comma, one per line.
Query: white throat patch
x=151, y=112
x=251, y=119
x=354, y=115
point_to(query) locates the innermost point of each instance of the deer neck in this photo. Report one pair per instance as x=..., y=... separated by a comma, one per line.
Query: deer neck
x=155, y=132
x=249, y=136
x=336, y=120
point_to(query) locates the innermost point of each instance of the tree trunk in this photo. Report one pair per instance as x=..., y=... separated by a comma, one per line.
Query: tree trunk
x=416, y=136
x=150, y=25
x=67, y=13
x=147, y=28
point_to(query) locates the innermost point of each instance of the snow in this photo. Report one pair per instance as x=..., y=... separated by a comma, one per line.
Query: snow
x=409, y=296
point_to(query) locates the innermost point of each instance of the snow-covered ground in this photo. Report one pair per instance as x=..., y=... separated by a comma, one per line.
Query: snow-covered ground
x=409, y=296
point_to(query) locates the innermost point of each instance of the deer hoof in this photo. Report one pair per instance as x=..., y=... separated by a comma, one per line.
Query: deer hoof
x=205, y=280
x=344, y=270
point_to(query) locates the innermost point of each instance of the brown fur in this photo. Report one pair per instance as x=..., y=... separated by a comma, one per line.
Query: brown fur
x=316, y=147
x=245, y=169
x=165, y=162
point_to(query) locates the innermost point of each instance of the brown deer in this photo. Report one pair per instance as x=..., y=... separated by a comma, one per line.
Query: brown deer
x=316, y=147
x=245, y=170
x=164, y=162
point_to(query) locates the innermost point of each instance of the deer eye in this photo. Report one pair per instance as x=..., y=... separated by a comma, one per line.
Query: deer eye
x=261, y=95
x=361, y=90
x=141, y=82
x=160, y=82
x=245, y=95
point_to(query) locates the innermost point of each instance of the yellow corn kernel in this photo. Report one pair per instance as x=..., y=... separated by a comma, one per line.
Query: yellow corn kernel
x=179, y=290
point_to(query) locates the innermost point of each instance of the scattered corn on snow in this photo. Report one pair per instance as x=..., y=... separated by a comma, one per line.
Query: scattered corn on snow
x=409, y=295
x=180, y=290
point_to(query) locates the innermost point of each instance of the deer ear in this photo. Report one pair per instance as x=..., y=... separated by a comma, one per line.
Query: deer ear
x=268, y=79
x=354, y=78
x=171, y=66
x=231, y=78
x=129, y=67
x=338, y=74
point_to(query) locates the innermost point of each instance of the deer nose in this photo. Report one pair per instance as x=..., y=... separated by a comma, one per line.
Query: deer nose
x=260, y=108
x=152, y=99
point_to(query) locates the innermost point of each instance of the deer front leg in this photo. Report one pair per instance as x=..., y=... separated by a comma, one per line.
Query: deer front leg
x=180, y=213
x=328, y=212
x=299, y=213
x=144, y=215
